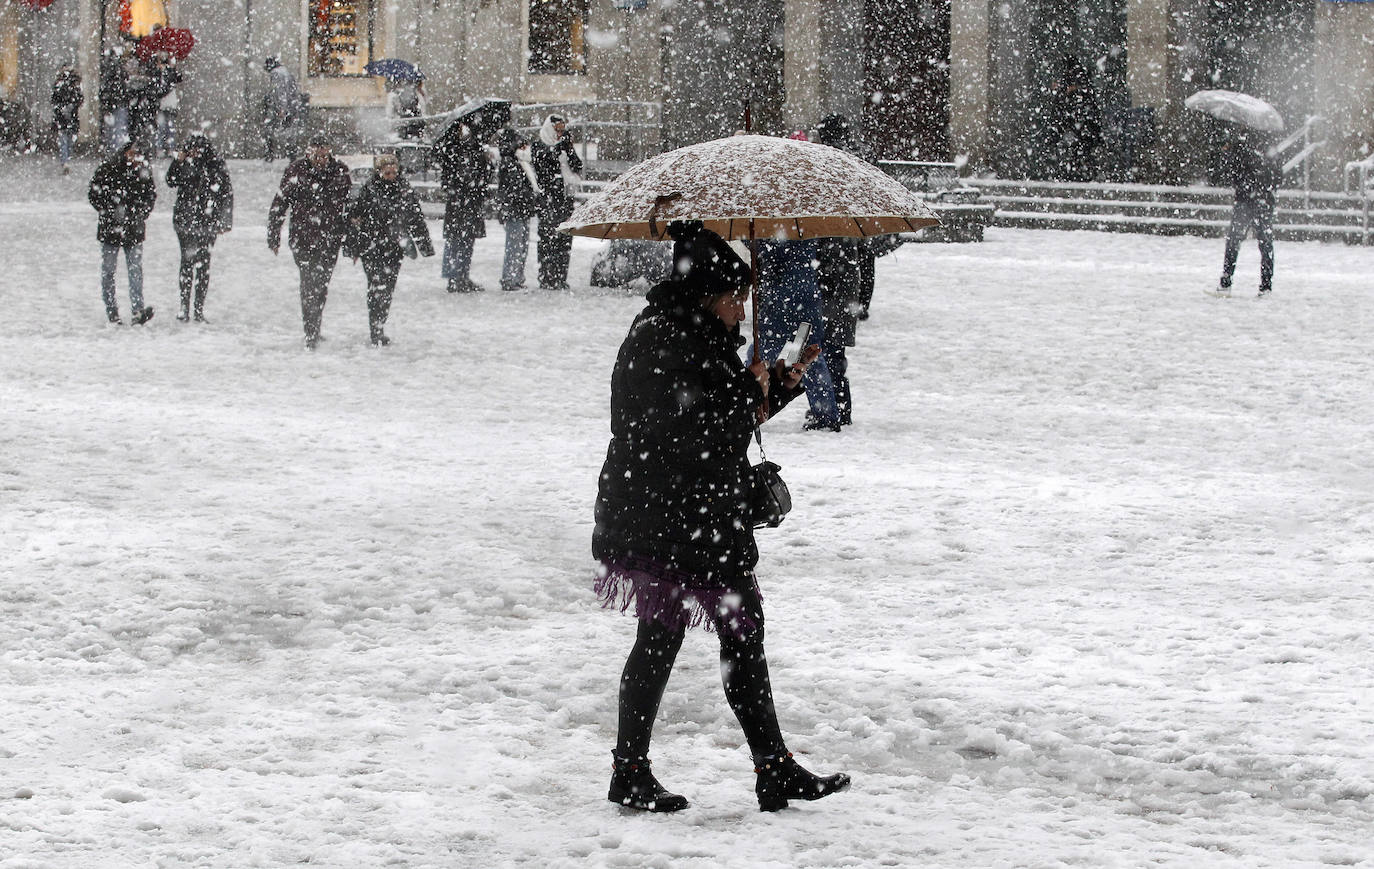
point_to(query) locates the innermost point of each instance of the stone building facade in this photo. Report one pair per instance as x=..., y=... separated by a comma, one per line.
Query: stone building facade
x=924, y=79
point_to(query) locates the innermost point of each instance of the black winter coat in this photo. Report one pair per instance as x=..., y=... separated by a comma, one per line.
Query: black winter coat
x=384, y=213
x=675, y=484
x=463, y=174
x=317, y=200
x=1253, y=173
x=205, y=198
x=557, y=206
x=66, y=102
x=122, y=194
x=841, y=279
x=515, y=196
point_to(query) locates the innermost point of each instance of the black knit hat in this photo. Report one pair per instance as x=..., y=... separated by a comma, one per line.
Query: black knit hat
x=704, y=261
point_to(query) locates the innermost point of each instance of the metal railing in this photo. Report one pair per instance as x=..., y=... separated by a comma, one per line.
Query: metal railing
x=616, y=131
x=1303, y=158
x=1361, y=170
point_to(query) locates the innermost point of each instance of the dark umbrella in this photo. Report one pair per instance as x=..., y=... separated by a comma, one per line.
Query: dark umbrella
x=483, y=116
x=176, y=41
x=394, y=69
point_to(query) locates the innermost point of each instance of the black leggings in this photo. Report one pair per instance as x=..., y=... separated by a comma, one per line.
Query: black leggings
x=743, y=669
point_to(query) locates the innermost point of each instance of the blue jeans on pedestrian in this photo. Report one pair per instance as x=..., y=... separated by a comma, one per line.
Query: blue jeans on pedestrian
x=166, y=131
x=789, y=294
x=116, y=129
x=109, y=259
x=64, y=146
x=458, y=256
x=517, y=249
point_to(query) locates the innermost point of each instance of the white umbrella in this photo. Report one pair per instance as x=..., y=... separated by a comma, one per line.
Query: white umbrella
x=748, y=187
x=1238, y=108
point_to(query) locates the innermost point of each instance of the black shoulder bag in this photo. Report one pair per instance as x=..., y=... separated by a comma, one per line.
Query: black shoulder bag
x=769, y=499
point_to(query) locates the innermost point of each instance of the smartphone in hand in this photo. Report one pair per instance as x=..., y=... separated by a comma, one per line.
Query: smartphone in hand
x=792, y=350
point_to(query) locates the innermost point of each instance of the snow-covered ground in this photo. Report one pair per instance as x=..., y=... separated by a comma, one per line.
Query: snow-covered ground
x=1088, y=582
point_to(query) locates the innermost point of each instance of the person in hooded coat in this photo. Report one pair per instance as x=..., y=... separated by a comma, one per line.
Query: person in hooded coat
x=1247, y=165
x=314, y=190
x=673, y=534
x=517, y=200
x=385, y=223
x=204, y=210
x=559, y=171
x=122, y=192
x=464, y=172
x=66, y=111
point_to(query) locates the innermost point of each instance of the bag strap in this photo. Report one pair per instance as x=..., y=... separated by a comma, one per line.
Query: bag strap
x=758, y=436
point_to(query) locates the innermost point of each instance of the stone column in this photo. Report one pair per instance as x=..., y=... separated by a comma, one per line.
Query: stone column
x=968, y=80
x=1344, y=73
x=1147, y=52
x=802, y=61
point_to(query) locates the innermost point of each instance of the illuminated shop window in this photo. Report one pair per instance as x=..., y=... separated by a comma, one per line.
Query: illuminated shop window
x=340, y=36
x=558, y=30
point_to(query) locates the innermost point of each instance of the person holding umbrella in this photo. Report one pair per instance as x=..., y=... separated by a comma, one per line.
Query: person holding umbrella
x=315, y=192
x=384, y=223
x=204, y=210
x=1247, y=166
x=674, y=531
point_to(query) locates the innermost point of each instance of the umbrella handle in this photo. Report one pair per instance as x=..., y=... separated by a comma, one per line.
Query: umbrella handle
x=653, y=210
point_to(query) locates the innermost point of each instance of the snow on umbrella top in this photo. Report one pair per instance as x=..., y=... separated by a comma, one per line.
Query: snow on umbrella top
x=753, y=187
x=394, y=69
x=1238, y=108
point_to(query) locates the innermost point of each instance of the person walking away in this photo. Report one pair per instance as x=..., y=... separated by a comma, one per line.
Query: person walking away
x=407, y=100
x=1254, y=173
x=464, y=172
x=517, y=200
x=385, y=223
x=314, y=190
x=144, y=96
x=114, y=99
x=281, y=104
x=840, y=273
x=66, y=111
x=558, y=170
x=123, y=193
x=169, y=103
x=204, y=210
x=790, y=294
x=674, y=535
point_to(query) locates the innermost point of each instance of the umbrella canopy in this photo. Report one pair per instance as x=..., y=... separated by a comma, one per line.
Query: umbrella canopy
x=753, y=187
x=176, y=41
x=394, y=69
x=1238, y=108
x=483, y=116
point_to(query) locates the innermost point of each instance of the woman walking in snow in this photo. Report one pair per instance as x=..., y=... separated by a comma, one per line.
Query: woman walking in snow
x=384, y=223
x=204, y=210
x=517, y=199
x=673, y=528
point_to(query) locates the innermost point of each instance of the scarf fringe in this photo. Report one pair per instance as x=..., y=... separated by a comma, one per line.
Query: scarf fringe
x=662, y=596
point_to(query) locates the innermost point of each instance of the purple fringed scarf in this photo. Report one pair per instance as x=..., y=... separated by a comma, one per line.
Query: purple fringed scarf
x=673, y=598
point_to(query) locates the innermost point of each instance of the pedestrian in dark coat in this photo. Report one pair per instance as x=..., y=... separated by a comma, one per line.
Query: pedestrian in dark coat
x=1254, y=173
x=314, y=190
x=559, y=171
x=673, y=531
x=464, y=172
x=385, y=223
x=204, y=210
x=846, y=269
x=1076, y=123
x=114, y=99
x=145, y=95
x=66, y=111
x=123, y=193
x=517, y=199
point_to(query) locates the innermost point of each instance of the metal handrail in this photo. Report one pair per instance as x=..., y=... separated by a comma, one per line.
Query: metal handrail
x=1302, y=158
x=1363, y=169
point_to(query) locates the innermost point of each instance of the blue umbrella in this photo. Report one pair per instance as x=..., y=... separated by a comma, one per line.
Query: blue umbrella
x=394, y=69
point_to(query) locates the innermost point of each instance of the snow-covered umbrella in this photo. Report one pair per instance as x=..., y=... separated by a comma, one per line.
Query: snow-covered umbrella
x=753, y=187
x=1238, y=108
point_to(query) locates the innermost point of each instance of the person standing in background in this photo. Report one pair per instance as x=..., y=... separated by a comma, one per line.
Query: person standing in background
x=464, y=170
x=517, y=200
x=66, y=111
x=558, y=172
x=281, y=107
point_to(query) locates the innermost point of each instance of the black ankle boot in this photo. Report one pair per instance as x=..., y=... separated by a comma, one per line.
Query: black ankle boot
x=633, y=785
x=781, y=779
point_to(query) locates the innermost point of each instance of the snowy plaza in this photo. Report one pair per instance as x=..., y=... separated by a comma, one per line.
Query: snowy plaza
x=1087, y=583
